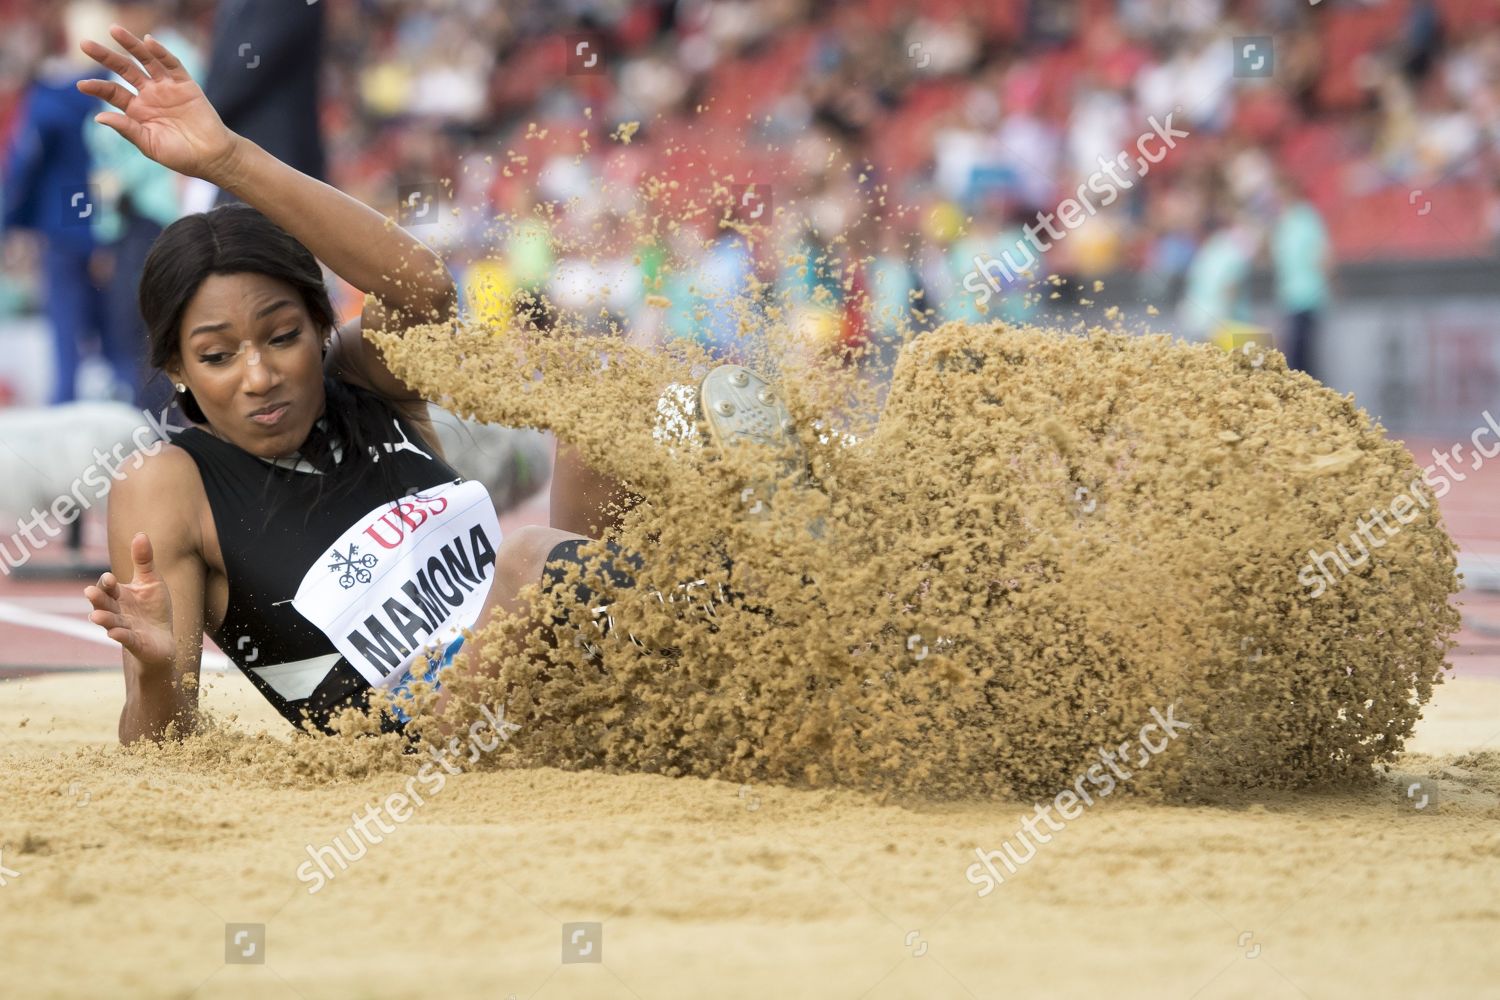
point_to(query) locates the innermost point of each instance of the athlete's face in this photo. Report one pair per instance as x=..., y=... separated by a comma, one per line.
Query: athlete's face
x=252, y=360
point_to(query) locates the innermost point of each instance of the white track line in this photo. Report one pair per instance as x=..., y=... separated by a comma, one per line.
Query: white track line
x=86, y=630
x=1481, y=571
x=52, y=602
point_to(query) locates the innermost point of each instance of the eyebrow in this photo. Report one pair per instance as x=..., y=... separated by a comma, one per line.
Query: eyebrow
x=217, y=327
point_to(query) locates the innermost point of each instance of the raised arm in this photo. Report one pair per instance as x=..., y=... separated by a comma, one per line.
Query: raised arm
x=168, y=118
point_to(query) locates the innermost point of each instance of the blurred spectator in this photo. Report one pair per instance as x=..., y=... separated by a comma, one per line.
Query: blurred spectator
x=138, y=198
x=1172, y=242
x=1013, y=268
x=1214, y=294
x=1099, y=124
x=895, y=283
x=15, y=270
x=46, y=182
x=529, y=262
x=1301, y=260
x=1422, y=39
x=710, y=300
x=264, y=65
x=1030, y=144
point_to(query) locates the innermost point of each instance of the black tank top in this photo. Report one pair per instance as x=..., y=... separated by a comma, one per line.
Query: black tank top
x=333, y=593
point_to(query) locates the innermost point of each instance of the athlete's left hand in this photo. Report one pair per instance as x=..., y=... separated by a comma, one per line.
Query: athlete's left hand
x=138, y=614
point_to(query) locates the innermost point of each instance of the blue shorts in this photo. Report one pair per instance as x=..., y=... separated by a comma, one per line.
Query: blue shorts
x=435, y=666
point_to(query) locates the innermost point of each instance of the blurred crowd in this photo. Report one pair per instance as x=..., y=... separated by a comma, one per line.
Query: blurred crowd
x=894, y=143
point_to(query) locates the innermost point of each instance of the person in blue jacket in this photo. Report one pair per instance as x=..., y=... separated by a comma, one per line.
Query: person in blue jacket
x=46, y=189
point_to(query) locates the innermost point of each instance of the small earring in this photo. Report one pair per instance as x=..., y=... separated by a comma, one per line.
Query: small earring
x=180, y=386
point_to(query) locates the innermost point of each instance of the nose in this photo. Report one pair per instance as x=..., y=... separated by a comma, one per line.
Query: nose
x=259, y=371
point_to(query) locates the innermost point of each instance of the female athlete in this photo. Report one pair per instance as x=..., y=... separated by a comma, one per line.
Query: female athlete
x=306, y=521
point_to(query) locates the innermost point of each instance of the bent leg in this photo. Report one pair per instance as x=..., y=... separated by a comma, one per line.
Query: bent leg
x=519, y=561
x=583, y=500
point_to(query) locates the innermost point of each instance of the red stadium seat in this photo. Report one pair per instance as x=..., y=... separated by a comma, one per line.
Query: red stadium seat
x=1396, y=223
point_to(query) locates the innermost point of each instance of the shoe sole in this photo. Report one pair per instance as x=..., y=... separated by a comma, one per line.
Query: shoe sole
x=736, y=405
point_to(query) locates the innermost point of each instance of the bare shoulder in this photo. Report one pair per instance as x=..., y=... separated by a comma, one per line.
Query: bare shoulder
x=160, y=489
x=157, y=470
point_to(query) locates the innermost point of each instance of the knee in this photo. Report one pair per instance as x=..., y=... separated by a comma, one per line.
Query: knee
x=523, y=552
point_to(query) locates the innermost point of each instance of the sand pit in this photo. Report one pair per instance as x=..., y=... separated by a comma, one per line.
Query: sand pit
x=130, y=868
x=1076, y=530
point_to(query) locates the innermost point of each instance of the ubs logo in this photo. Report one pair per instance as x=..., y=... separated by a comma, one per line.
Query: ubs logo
x=404, y=518
x=352, y=567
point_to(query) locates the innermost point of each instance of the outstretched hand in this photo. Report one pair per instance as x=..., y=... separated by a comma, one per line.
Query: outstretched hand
x=167, y=117
x=138, y=614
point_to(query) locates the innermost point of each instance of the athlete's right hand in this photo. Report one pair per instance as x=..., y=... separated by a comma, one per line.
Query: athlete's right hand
x=138, y=614
x=166, y=117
